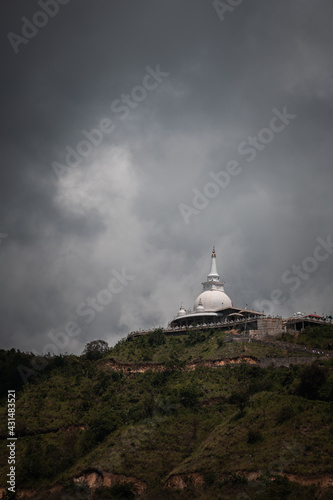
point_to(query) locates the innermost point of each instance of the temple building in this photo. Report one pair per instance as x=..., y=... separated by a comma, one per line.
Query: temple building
x=213, y=308
x=213, y=305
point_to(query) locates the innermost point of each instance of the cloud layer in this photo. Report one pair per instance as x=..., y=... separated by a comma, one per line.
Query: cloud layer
x=119, y=206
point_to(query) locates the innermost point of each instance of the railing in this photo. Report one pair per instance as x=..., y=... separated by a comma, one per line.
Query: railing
x=204, y=326
x=228, y=323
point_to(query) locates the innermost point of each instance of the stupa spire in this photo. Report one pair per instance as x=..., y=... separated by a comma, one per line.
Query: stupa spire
x=213, y=275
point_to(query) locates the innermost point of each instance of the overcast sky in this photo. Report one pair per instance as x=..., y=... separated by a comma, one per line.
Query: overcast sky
x=178, y=90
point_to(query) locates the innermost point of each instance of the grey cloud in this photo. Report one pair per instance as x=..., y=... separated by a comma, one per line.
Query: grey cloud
x=119, y=207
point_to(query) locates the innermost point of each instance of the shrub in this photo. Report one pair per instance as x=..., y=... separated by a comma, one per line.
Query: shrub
x=312, y=379
x=240, y=398
x=95, y=349
x=194, y=338
x=100, y=425
x=159, y=379
x=238, y=479
x=220, y=343
x=123, y=490
x=285, y=413
x=174, y=363
x=326, y=391
x=254, y=436
x=30, y=467
x=317, y=337
x=156, y=338
x=189, y=396
x=259, y=386
x=209, y=478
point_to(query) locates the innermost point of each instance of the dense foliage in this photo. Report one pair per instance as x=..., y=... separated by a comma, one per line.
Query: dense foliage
x=317, y=337
x=82, y=414
x=95, y=349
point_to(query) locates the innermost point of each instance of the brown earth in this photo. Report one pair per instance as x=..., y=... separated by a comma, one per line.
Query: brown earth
x=182, y=481
x=209, y=363
x=95, y=479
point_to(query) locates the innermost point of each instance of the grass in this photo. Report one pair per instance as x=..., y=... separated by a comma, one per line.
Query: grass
x=210, y=345
x=313, y=337
x=218, y=423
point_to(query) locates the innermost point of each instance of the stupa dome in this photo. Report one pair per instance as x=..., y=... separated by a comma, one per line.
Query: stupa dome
x=213, y=297
x=181, y=311
x=199, y=307
x=212, y=300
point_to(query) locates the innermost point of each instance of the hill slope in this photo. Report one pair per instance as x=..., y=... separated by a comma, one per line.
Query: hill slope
x=226, y=428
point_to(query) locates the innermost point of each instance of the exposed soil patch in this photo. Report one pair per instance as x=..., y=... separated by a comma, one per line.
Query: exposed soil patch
x=182, y=481
x=209, y=363
x=95, y=479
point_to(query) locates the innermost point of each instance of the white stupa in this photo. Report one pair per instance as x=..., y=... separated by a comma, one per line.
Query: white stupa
x=213, y=297
x=212, y=306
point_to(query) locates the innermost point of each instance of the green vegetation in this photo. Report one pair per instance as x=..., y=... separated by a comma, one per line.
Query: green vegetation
x=157, y=347
x=95, y=349
x=208, y=428
x=316, y=337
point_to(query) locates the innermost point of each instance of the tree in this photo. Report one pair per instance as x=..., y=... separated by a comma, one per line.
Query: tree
x=240, y=398
x=30, y=467
x=312, y=379
x=95, y=349
x=189, y=396
x=156, y=338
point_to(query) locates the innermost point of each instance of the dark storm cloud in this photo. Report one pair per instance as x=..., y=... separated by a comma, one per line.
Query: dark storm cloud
x=120, y=206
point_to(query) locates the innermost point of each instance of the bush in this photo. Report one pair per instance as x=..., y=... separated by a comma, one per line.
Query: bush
x=100, y=425
x=240, y=398
x=259, y=386
x=234, y=479
x=281, y=488
x=30, y=467
x=254, y=436
x=174, y=363
x=11, y=362
x=194, y=338
x=123, y=490
x=238, y=479
x=96, y=349
x=319, y=337
x=103, y=493
x=220, y=343
x=312, y=379
x=209, y=478
x=326, y=391
x=8, y=495
x=159, y=379
x=189, y=396
x=103, y=381
x=285, y=413
x=156, y=338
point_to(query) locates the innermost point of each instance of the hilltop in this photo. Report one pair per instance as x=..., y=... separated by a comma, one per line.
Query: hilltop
x=204, y=415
